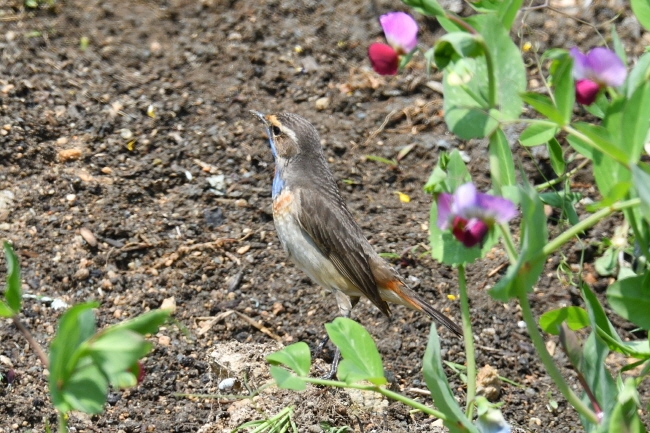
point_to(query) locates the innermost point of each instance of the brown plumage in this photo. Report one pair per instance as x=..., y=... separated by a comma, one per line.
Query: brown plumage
x=318, y=231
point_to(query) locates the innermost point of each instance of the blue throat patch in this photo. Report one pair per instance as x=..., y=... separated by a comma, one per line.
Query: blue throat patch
x=278, y=183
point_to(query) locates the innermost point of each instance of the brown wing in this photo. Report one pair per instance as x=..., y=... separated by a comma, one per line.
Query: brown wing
x=326, y=219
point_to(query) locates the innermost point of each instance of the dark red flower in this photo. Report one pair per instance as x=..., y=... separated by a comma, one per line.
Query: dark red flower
x=383, y=58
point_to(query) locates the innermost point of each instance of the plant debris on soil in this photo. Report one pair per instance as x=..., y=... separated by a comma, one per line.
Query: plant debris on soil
x=131, y=174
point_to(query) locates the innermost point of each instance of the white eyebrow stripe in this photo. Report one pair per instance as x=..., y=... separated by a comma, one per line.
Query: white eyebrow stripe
x=290, y=133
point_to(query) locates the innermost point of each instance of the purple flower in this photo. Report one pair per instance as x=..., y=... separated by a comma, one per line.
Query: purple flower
x=471, y=214
x=401, y=32
x=598, y=69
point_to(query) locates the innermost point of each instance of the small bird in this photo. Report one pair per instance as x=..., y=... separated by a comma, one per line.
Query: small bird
x=318, y=232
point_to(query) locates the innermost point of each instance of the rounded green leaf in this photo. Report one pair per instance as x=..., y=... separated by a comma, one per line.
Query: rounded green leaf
x=296, y=357
x=630, y=298
x=361, y=360
x=575, y=318
x=537, y=133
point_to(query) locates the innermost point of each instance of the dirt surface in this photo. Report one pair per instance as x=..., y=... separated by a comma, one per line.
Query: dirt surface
x=142, y=141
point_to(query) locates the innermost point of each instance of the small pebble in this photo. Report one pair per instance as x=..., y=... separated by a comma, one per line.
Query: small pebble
x=66, y=155
x=322, y=103
x=164, y=340
x=82, y=274
x=244, y=249
x=107, y=170
x=88, y=236
x=126, y=134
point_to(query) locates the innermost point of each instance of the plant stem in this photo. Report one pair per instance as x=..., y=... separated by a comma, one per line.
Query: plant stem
x=469, y=342
x=560, y=179
x=383, y=391
x=547, y=360
x=32, y=342
x=583, y=225
x=492, y=83
x=62, y=422
x=620, y=158
x=509, y=244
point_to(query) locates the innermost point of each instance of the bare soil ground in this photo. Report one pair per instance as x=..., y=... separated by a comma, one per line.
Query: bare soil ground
x=143, y=140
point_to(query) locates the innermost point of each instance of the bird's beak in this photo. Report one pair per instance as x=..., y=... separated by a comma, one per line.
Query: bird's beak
x=260, y=116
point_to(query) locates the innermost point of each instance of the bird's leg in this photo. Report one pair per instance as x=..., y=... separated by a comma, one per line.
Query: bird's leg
x=346, y=304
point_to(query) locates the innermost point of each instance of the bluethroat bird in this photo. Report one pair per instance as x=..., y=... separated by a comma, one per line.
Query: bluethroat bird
x=318, y=232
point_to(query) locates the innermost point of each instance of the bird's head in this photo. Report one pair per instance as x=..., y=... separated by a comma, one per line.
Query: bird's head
x=289, y=135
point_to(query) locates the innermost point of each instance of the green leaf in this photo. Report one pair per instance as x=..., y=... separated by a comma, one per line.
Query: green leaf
x=565, y=93
x=146, y=323
x=434, y=376
x=556, y=154
x=641, y=181
x=382, y=160
x=575, y=318
x=508, y=11
x=116, y=351
x=429, y=8
x=544, y=106
x=538, y=133
x=75, y=327
x=638, y=75
x=5, y=311
x=85, y=390
x=296, y=357
x=564, y=200
x=599, y=106
x=502, y=167
x=13, y=292
x=606, y=264
x=618, y=45
x=453, y=46
x=641, y=9
x=524, y=274
x=635, y=122
x=601, y=140
x=630, y=298
x=580, y=146
x=361, y=360
x=285, y=380
x=467, y=112
x=625, y=416
x=594, y=370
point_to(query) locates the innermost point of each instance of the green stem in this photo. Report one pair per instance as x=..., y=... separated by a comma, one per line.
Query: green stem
x=508, y=243
x=62, y=422
x=583, y=225
x=383, y=391
x=547, y=360
x=492, y=82
x=560, y=179
x=469, y=342
x=620, y=158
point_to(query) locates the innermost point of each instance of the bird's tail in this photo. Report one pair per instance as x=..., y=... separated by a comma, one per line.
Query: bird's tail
x=411, y=299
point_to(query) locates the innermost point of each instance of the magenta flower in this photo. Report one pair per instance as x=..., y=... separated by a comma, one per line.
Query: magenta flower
x=598, y=69
x=401, y=32
x=471, y=214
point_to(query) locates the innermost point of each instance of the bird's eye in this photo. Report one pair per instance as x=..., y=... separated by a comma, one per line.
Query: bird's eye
x=276, y=131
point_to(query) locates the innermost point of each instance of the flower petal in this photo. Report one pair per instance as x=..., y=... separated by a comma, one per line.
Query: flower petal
x=606, y=67
x=401, y=30
x=383, y=59
x=444, y=210
x=496, y=209
x=465, y=200
x=580, y=63
x=469, y=233
x=586, y=91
